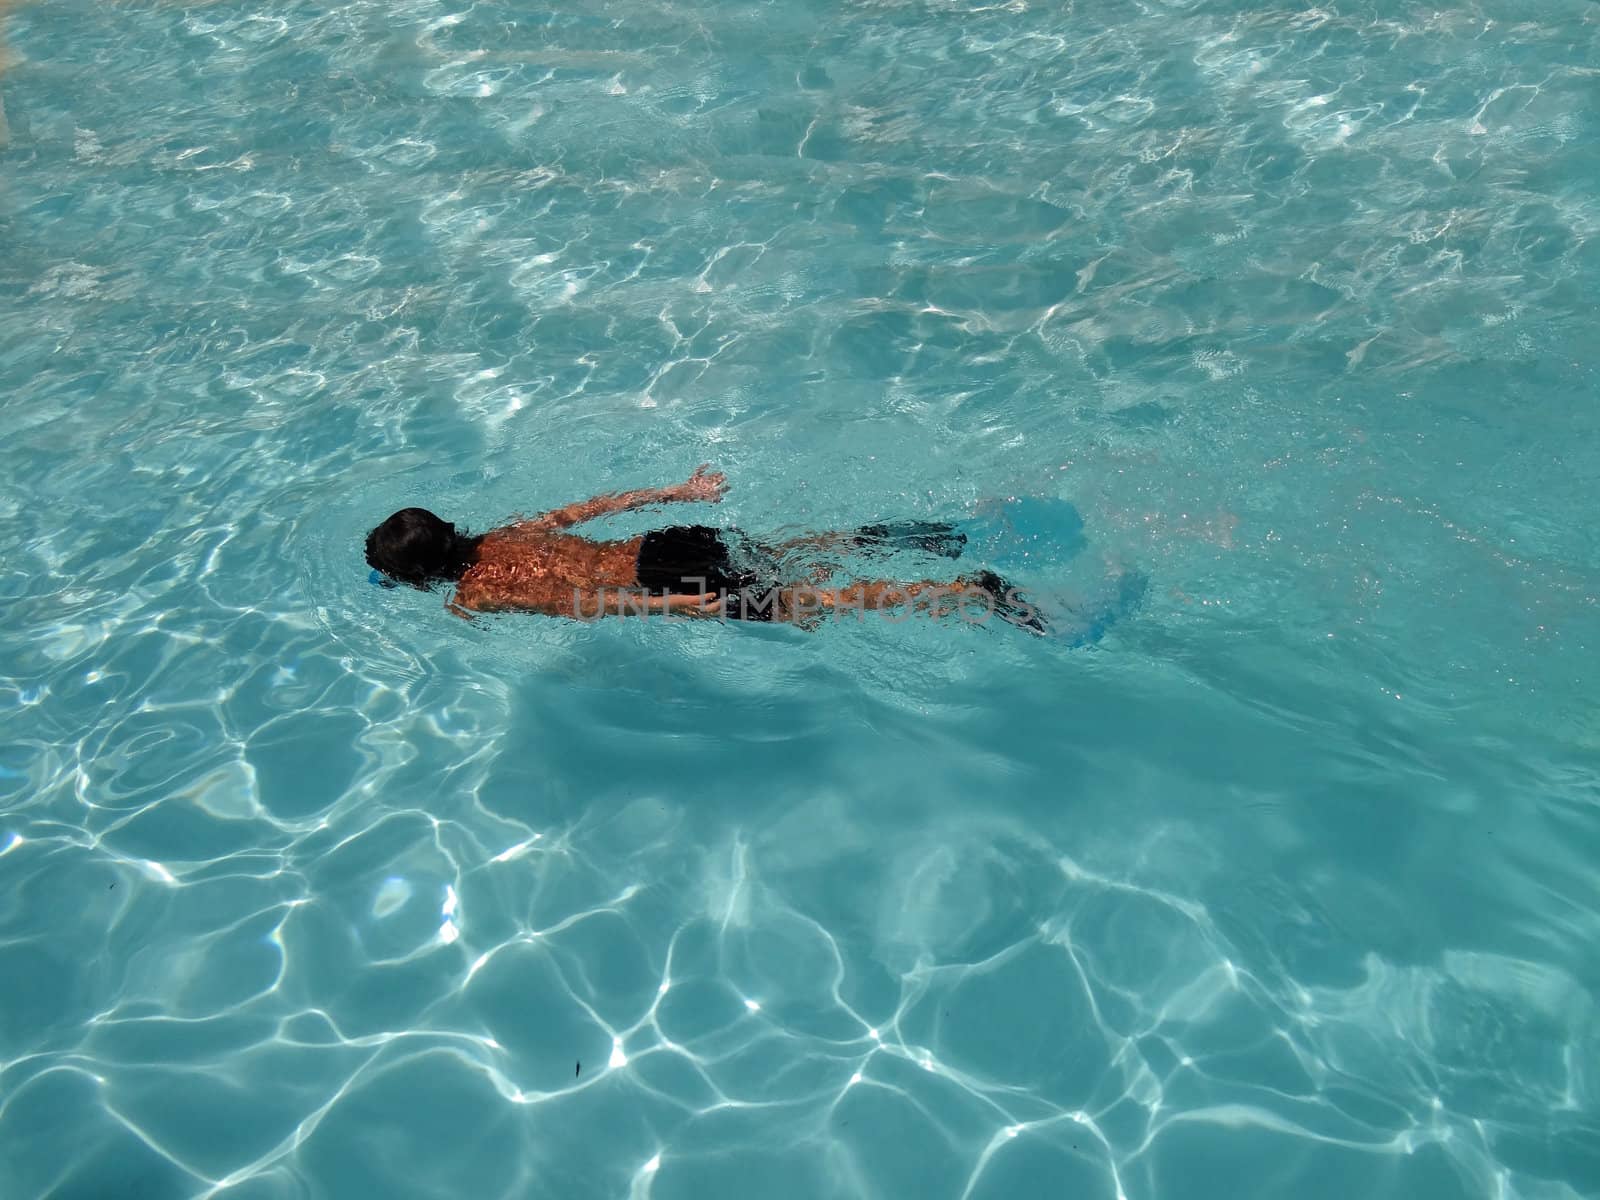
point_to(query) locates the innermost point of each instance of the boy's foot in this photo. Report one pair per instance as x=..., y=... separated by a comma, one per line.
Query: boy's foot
x=1009, y=604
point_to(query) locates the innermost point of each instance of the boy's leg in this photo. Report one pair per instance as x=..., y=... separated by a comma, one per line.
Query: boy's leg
x=930, y=537
x=814, y=542
x=799, y=603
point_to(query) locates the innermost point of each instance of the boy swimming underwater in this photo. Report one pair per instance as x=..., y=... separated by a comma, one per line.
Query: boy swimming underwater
x=683, y=570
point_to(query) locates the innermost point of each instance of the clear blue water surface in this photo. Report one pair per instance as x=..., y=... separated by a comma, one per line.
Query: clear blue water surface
x=1285, y=888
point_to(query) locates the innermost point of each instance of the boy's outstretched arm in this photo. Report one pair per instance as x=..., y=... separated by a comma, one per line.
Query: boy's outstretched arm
x=704, y=484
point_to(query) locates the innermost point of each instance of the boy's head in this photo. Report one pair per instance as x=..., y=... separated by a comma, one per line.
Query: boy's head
x=414, y=546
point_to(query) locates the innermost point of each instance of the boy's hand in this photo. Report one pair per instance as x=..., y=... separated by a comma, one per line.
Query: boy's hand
x=705, y=484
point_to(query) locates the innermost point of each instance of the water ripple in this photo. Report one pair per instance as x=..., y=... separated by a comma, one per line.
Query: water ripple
x=1285, y=886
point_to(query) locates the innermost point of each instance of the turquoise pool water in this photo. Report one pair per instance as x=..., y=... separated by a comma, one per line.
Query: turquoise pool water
x=1285, y=887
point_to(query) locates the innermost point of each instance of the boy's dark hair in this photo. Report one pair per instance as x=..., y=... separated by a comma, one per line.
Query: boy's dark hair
x=414, y=546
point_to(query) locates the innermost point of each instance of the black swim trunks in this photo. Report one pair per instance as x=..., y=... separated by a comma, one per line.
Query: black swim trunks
x=689, y=560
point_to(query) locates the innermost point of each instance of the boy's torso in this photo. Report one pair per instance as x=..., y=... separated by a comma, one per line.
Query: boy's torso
x=545, y=572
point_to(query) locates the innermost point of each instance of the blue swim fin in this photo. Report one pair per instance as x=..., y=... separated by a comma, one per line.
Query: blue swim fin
x=1094, y=616
x=1026, y=534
